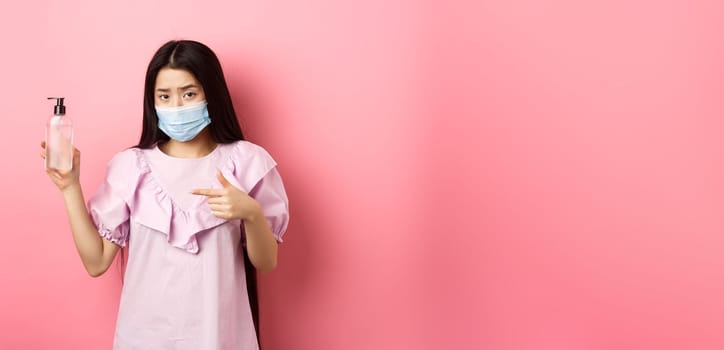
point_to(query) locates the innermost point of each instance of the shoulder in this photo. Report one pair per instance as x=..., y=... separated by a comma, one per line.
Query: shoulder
x=126, y=157
x=247, y=147
x=247, y=163
x=126, y=165
x=245, y=151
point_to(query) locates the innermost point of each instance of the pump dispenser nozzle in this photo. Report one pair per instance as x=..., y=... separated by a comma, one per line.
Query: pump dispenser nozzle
x=59, y=107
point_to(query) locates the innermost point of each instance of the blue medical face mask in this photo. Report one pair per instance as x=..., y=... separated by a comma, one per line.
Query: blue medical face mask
x=183, y=123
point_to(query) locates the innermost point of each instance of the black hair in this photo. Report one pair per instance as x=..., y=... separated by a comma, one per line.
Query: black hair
x=199, y=60
x=202, y=63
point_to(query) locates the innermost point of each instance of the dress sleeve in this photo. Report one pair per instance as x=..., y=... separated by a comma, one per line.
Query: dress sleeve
x=108, y=207
x=253, y=170
x=272, y=197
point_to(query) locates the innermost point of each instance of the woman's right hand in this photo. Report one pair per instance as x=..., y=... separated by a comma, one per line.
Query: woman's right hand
x=67, y=178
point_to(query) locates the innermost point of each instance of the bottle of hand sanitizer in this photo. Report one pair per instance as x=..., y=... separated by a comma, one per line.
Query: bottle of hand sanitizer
x=59, y=139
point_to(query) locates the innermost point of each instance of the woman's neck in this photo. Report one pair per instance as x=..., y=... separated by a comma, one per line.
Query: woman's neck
x=200, y=146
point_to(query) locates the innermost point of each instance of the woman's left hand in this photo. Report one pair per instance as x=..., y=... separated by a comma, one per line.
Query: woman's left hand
x=229, y=202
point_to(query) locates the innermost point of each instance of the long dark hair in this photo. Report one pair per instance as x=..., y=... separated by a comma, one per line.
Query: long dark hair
x=199, y=60
x=202, y=63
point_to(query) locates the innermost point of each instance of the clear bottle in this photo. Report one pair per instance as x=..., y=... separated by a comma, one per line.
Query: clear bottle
x=59, y=139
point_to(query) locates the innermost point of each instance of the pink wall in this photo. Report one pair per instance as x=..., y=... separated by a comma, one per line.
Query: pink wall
x=500, y=175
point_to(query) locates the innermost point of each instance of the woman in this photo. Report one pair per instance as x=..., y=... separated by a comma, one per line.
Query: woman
x=192, y=201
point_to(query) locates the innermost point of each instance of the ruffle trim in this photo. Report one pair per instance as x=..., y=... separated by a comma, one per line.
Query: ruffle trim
x=182, y=225
x=119, y=239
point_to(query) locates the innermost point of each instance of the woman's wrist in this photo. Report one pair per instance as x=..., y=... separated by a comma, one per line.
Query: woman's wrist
x=71, y=188
x=255, y=214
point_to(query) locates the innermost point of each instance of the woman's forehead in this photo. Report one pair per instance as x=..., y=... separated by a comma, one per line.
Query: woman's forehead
x=175, y=78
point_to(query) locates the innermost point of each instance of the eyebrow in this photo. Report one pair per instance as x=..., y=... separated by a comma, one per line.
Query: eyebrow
x=185, y=87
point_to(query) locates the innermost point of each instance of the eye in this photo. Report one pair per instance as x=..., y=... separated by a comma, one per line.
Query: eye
x=189, y=95
x=163, y=97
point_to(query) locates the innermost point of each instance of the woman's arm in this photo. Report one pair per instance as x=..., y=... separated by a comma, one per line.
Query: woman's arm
x=260, y=242
x=96, y=252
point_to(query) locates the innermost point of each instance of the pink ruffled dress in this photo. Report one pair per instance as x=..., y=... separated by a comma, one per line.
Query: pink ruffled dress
x=184, y=286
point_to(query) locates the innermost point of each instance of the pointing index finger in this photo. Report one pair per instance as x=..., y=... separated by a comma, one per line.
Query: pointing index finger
x=208, y=192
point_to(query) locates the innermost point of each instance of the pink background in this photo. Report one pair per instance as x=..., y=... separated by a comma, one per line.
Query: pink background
x=473, y=175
